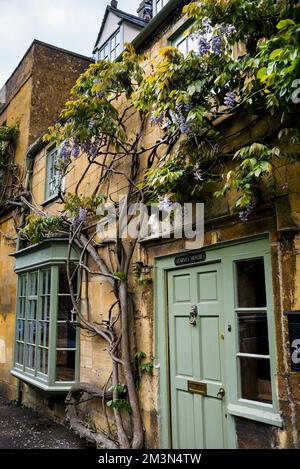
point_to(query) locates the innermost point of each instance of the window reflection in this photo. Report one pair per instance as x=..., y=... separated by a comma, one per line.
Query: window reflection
x=65, y=365
x=253, y=333
x=255, y=379
x=251, y=290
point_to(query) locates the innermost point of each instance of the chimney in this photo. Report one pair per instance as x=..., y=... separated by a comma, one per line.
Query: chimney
x=114, y=4
x=145, y=10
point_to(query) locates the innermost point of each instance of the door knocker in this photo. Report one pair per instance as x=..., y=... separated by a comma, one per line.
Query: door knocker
x=193, y=316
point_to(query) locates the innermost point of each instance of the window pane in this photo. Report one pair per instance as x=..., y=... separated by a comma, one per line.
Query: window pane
x=44, y=333
x=21, y=309
x=192, y=44
x=63, y=279
x=65, y=365
x=65, y=307
x=21, y=330
x=55, y=180
x=255, y=379
x=43, y=368
x=20, y=354
x=118, y=50
x=45, y=282
x=30, y=356
x=31, y=332
x=253, y=333
x=66, y=335
x=251, y=289
x=32, y=309
x=23, y=285
x=45, y=308
x=182, y=46
x=33, y=281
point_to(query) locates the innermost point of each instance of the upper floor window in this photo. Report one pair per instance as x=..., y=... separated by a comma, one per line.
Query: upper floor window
x=185, y=42
x=111, y=49
x=158, y=5
x=55, y=182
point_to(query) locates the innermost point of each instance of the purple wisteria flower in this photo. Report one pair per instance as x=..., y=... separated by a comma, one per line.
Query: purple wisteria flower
x=181, y=119
x=247, y=211
x=165, y=203
x=156, y=119
x=187, y=107
x=82, y=214
x=213, y=39
x=81, y=217
x=65, y=150
x=100, y=94
x=90, y=148
x=206, y=23
x=203, y=46
x=75, y=151
x=227, y=29
x=230, y=99
x=217, y=45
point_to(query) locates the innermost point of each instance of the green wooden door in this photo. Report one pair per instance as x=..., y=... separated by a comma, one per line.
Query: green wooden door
x=196, y=356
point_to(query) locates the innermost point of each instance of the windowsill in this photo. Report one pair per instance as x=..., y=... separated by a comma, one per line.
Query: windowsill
x=51, y=199
x=260, y=415
x=64, y=387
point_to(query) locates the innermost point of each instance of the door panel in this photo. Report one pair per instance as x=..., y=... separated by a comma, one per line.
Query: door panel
x=196, y=356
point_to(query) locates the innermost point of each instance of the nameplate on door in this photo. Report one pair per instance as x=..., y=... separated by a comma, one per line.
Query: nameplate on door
x=196, y=387
x=190, y=258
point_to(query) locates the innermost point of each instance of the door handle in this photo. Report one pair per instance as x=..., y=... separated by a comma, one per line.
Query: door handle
x=193, y=315
x=221, y=393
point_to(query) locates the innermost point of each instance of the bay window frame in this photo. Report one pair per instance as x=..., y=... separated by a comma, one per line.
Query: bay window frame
x=52, y=256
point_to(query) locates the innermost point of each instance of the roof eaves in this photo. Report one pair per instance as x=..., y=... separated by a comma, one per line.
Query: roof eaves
x=123, y=16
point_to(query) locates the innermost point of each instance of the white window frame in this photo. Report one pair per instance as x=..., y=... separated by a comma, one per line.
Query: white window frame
x=111, y=49
x=158, y=5
x=54, y=181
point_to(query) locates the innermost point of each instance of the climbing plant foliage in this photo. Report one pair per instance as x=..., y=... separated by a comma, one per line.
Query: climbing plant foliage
x=246, y=62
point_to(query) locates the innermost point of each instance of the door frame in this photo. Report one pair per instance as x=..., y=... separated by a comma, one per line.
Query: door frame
x=162, y=265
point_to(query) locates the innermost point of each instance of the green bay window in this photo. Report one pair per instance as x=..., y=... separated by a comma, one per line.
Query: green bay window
x=46, y=340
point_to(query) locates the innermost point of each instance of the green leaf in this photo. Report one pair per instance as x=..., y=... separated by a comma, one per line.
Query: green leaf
x=283, y=24
x=275, y=53
x=121, y=275
x=140, y=355
x=262, y=73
